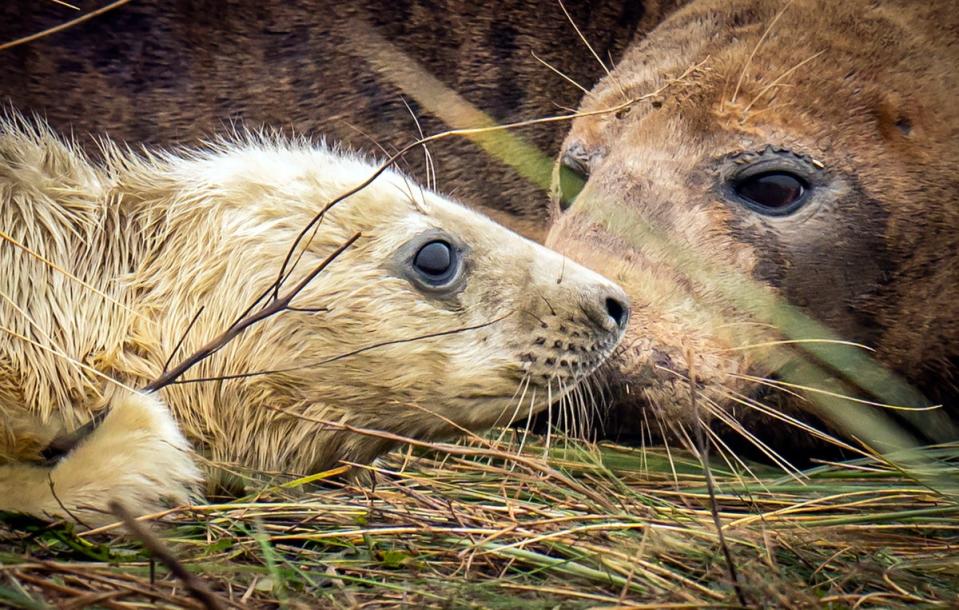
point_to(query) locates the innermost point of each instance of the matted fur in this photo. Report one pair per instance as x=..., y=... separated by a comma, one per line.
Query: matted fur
x=163, y=235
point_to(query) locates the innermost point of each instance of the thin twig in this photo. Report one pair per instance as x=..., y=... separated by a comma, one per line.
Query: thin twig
x=273, y=307
x=62, y=26
x=703, y=448
x=53, y=492
x=183, y=337
x=194, y=585
x=63, y=444
x=331, y=359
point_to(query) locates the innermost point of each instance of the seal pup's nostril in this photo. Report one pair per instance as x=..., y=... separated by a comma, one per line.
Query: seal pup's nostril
x=608, y=310
x=618, y=311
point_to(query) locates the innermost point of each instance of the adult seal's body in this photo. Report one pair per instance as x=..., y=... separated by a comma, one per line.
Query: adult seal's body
x=163, y=73
x=814, y=150
x=435, y=320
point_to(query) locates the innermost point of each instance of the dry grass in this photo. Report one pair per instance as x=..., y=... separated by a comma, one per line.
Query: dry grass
x=620, y=527
x=439, y=531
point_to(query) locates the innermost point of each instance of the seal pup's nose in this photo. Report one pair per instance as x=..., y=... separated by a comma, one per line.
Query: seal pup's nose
x=618, y=311
x=608, y=308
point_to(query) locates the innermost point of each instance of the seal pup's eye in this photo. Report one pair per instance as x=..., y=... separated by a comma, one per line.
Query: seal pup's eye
x=774, y=193
x=435, y=262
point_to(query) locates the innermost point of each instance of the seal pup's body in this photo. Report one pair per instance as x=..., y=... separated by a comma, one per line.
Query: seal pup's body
x=373, y=341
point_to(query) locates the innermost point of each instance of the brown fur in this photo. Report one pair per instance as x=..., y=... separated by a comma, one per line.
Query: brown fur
x=157, y=236
x=160, y=73
x=874, y=255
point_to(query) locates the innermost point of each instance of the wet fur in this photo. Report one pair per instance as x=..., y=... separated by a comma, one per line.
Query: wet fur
x=162, y=234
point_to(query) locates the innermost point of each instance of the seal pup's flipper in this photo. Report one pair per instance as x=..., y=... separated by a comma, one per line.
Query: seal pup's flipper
x=136, y=456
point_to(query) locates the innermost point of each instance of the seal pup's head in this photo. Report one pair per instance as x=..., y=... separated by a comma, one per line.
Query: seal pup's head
x=435, y=319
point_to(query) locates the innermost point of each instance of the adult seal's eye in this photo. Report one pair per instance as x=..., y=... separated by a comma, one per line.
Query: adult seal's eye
x=573, y=175
x=774, y=193
x=435, y=262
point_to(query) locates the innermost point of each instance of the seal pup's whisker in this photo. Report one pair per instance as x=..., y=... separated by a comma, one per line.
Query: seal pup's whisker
x=549, y=416
x=587, y=402
x=596, y=407
x=578, y=411
x=529, y=421
x=428, y=158
x=516, y=398
x=563, y=412
x=519, y=404
x=589, y=409
x=572, y=411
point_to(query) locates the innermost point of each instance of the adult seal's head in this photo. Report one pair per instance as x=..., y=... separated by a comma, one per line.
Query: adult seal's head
x=804, y=151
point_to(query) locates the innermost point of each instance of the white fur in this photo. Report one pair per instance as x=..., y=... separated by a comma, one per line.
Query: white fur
x=158, y=236
x=137, y=456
